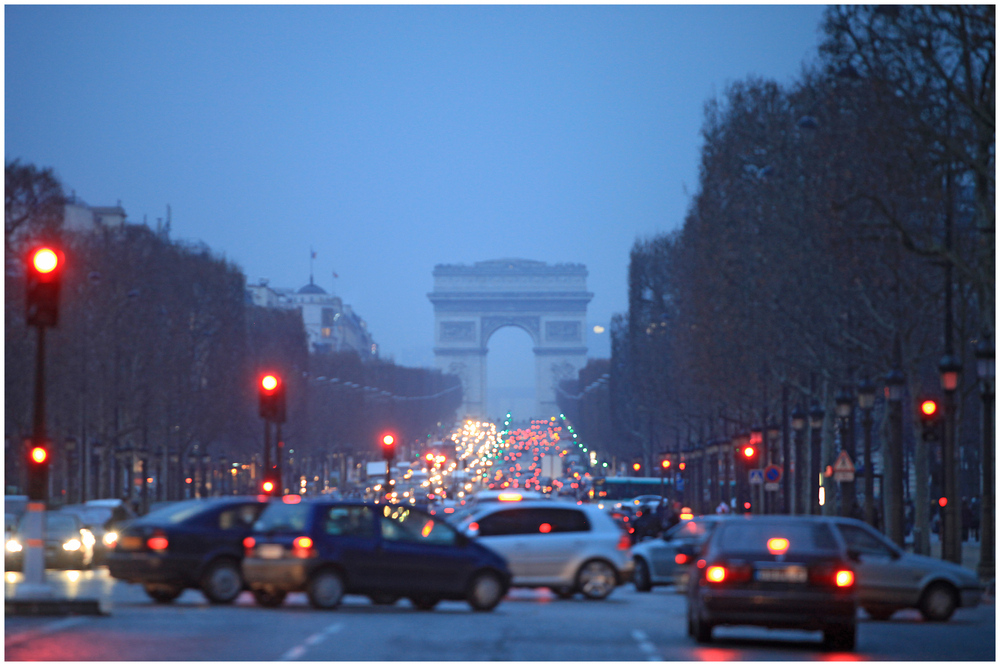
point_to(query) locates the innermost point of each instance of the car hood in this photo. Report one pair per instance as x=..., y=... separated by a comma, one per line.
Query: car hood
x=932, y=564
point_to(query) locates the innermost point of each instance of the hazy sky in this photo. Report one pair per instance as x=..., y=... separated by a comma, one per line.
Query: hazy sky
x=391, y=139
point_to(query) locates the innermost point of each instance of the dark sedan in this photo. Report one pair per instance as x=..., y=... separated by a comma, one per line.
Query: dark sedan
x=190, y=544
x=777, y=572
x=383, y=551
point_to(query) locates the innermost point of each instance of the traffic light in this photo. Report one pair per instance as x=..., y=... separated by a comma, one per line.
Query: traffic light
x=38, y=471
x=388, y=446
x=930, y=420
x=44, y=269
x=665, y=464
x=636, y=466
x=749, y=456
x=272, y=397
x=270, y=485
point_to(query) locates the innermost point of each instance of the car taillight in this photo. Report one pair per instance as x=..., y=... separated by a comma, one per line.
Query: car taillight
x=680, y=558
x=831, y=576
x=731, y=572
x=624, y=541
x=157, y=542
x=715, y=574
x=248, y=544
x=843, y=578
x=303, y=547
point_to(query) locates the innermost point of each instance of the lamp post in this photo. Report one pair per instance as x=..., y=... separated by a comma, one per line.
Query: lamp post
x=986, y=370
x=893, y=467
x=866, y=401
x=771, y=433
x=844, y=408
x=798, y=504
x=816, y=415
x=950, y=368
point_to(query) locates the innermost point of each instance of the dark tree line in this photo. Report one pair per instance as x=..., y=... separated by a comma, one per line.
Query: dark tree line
x=152, y=370
x=817, y=244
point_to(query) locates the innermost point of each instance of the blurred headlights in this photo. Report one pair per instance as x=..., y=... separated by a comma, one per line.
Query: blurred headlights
x=13, y=546
x=88, y=538
x=110, y=538
x=72, y=544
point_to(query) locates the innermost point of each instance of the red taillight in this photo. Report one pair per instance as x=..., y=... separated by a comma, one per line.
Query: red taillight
x=303, y=547
x=157, y=542
x=624, y=542
x=843, y=578
x=680, y=558
x=715, y=574
x=248, y=544
x=728, y=573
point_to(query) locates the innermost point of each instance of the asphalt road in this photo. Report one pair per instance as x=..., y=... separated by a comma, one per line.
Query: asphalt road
x=529, y=625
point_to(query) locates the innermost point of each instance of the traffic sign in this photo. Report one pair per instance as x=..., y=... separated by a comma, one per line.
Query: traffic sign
x=772, y=487
x=843, y=468
x=772, y=473
x=756, y=476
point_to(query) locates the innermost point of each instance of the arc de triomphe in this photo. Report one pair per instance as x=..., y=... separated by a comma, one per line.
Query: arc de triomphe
x=471, y=303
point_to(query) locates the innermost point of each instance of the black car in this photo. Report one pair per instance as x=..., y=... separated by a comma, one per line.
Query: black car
x=386, y=552
x=195, y=543
x=774, y=571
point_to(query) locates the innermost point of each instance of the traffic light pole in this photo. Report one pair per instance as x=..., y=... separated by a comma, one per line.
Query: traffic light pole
x=267, y=450
x=34, y=584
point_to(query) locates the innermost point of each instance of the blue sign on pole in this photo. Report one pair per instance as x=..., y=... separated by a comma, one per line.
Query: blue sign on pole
x=756, y=476
x=772, y=473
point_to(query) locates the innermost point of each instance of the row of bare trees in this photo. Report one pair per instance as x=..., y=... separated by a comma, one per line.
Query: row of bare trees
x=836, y=218
x=152, y=370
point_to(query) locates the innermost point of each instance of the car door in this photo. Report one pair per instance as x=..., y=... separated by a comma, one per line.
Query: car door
x=423, y=551
x=505, y=531
x=347, y=535
x=557, y=539
x=882, y=579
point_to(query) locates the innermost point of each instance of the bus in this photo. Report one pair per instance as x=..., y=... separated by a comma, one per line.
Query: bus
x=617, y=488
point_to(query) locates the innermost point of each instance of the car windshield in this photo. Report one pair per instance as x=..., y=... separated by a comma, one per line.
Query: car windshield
x=281, y=517
x=690, y=529
x=175, y=513
x=91, y=515
x=756, y=537
x=56, y=525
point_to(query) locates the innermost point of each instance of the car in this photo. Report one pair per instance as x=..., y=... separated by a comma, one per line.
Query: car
x=384, y=551
x=68, y=544
x=564, y=546
x=890, y=579
x=196, y=543
x=788, y=572
x=666, y=560
x=104, y=518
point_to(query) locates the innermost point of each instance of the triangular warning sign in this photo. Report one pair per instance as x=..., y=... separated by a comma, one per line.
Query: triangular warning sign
x=843, y=463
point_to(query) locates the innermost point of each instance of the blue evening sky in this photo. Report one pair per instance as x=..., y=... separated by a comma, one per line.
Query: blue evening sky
x=392, y=138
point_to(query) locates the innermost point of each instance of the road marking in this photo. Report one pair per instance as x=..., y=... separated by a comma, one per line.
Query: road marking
x=652, y=654
x=299, y=650
x=17, y=639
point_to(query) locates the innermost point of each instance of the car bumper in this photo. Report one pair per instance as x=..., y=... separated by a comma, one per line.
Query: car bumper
x=62, y=559
x=150, y=568
x=802, y=610
x=284, y=574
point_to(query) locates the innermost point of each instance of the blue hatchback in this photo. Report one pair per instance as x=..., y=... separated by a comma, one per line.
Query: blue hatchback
x=384, y=551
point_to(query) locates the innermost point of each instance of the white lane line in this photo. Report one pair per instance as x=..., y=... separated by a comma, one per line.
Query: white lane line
x=17, y=639
x=299, y=650
x=652, y=654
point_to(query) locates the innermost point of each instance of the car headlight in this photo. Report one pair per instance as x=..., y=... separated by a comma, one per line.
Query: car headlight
x=72, y=544
x=110, y=539
x=14, y=546
x=88, y=538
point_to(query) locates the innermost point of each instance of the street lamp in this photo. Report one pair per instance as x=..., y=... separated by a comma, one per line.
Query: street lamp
x=866, y=401
x=950, y=368
x=893, y=466
x=844, y=406
x=800, y=503
x=986, y=371
x=816, y=414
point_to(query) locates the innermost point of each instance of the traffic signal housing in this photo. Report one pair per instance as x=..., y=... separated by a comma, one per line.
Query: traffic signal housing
x=749, y=456
x=272, y=397
x=930, y=419
x=43, y=280
x=388, y=446
x=270, y=485
x=38, y=470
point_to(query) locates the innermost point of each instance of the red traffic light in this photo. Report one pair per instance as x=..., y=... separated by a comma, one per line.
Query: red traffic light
x=39, y=455
x=928, y=408
x=665, y=464
x=748, y=452
x=387, y=440
x=636, y=466
x=681, y=466
x=45, y=260
x=269, y=382
x=943, y=501
x=267, y=486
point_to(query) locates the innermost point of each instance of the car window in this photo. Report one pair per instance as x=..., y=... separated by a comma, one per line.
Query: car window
x=500, y=523
x=56, y=524
x=533, y=521
x=753, y=536
x=400, y=524
x=281, y=517
x=859, y=539
x=174, y=514
x=239, y=517
x=349, y=521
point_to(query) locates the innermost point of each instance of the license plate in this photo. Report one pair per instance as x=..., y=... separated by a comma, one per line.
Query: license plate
x=782, y=575
x=270, y=551
x=131, y=543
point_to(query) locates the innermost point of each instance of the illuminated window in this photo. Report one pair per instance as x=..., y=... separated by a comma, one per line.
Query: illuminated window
x=326, y=332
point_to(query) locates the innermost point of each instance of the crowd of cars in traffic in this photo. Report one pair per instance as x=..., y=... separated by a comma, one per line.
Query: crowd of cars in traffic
x=805, y=572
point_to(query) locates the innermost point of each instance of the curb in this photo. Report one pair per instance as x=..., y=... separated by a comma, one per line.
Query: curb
x=56, y=607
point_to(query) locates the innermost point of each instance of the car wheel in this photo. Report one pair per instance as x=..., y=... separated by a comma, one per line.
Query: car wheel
x=641, y=577
x=269, y=598
x=485, y=591
x=879, y=614
x=222, y=582
x=840, y=637
x=424, y=602
x=938, y=603
x=596, y=579
x=162, y=593
x=702, y=631
x=383, y=598
x=564, y=592
x=325, y=589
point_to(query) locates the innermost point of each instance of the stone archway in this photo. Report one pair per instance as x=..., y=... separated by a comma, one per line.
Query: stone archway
x=473, y=302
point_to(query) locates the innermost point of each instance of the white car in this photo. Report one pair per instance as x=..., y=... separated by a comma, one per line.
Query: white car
x=564, y=546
